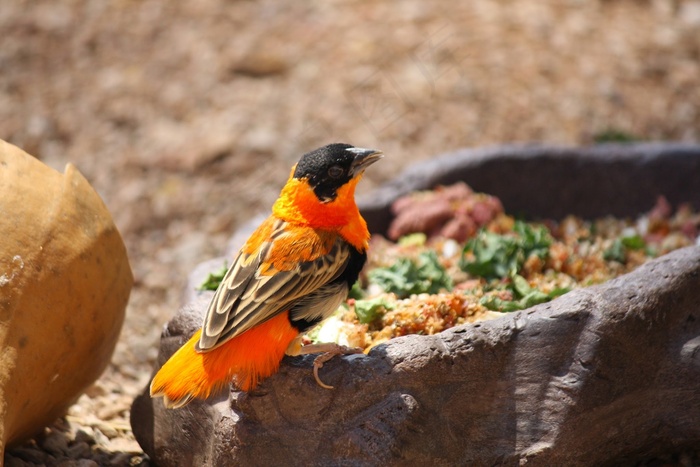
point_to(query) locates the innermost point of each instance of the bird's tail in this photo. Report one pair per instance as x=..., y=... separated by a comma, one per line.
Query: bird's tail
x=246, y=359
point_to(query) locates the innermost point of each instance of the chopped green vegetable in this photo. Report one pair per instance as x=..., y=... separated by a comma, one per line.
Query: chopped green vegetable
x=633, y=242
x=495, y=256
x=368, y=311
x=618, y=249
x=494, y=303
x=616, y=252
x=407, y=277
x=214, y=279
x=356, y=291
x=521, y=286
x=613, y=135
x=534, y=239
x=525, y=295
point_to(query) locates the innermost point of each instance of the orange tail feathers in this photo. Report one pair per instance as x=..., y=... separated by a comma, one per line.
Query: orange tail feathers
x=246, y=359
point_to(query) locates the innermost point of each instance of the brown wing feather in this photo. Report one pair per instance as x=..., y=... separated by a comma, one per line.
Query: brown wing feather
x=260, y=285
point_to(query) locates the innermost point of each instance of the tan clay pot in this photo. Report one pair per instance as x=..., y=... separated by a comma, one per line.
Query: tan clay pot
x=64, y=285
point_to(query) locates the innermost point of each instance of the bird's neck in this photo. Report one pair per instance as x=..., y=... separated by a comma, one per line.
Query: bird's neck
x=298, y=204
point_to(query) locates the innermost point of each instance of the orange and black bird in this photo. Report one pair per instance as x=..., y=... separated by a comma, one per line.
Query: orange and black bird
x=294, y=271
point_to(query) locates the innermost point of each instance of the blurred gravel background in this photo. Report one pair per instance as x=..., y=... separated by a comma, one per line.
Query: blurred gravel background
x=187, y=116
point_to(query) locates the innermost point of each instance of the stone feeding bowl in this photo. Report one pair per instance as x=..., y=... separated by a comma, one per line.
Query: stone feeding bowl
x=605, y=375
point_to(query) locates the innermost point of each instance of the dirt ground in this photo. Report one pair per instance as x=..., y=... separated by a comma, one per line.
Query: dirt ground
x=187, y=116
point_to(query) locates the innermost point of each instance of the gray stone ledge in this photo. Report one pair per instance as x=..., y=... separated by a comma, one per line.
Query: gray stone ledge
x=606, y=375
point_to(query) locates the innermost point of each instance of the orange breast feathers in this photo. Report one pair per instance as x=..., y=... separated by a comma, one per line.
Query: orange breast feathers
x=299, y=205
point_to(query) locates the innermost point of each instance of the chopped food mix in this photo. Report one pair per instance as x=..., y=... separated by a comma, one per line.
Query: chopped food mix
x=455, y=257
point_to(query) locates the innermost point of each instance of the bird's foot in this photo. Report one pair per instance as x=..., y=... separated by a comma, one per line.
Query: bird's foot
x=329, y=350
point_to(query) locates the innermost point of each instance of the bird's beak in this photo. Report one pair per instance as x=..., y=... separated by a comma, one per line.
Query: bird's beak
x=363, y=159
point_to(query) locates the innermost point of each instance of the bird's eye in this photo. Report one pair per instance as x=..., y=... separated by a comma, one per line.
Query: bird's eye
x=335, y=171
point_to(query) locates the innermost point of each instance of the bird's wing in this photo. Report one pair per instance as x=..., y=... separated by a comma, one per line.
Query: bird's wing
x=285, y=264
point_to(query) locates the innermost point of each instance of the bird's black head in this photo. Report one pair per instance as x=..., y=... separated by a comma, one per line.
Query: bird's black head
x=328, y=168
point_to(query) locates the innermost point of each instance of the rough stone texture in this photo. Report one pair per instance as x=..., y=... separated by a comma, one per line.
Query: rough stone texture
x=600, y=376
x=64, y=285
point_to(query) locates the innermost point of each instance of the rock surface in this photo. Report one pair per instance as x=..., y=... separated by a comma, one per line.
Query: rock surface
x=602, y=375
x=607, y=374
x=64, y=285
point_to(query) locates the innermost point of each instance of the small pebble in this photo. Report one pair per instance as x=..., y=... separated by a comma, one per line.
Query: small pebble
x=55, y=442
x=100, y=456
x=85, y=435
x=115, y=408
x=108, y=430
x=100, y=438
x=78, y=450
x=122, y=458
x=34, y=456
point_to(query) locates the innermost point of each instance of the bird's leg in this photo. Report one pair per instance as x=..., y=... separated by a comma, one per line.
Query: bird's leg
x=328, y=350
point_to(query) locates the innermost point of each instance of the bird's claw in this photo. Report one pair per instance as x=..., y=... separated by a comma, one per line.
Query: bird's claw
x=326, y=356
